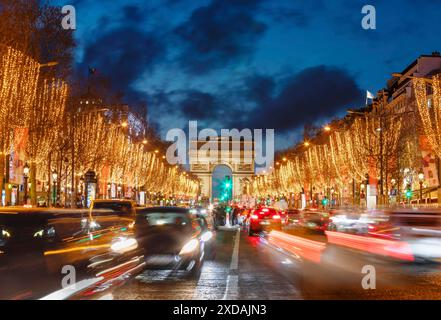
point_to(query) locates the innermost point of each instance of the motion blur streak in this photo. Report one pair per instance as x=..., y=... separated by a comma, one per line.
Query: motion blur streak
x=112, y=278
x=48, y=253
x=305, y=248
x=72, y=290
x=395, y=249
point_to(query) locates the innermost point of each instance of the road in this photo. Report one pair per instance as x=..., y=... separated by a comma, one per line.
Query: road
x=250, y=268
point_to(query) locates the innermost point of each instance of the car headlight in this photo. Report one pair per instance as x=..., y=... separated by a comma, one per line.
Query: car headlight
x=39, y=234
x=49, y=233
x=207, y=236
x=5, y=233
x=123, y=245
x=190, y=246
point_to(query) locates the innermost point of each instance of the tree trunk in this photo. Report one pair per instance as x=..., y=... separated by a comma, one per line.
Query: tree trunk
x=2, y=176
x=49, y=184
x=8, y=190
x=33, y=180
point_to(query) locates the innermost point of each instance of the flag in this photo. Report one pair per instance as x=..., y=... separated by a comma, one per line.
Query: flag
x=369, y=95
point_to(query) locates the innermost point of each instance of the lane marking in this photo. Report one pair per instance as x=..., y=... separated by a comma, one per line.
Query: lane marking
x=232, y=287
x=235, y=256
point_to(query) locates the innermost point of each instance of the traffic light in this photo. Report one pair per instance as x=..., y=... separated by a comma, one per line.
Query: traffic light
x=226, y=189
x=408, y=192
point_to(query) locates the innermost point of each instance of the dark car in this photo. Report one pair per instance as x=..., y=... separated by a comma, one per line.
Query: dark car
x=172, y=238
x=112, y=213
x=291, y=217
x=264, y=219
x=26, y=231
x=33, y=246
x=313, y=222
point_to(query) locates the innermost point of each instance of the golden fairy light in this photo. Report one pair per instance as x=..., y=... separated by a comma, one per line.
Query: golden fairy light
x=18, y=85
x=430, y=114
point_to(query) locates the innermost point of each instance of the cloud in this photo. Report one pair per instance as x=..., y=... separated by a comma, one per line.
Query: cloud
x=314, y=93
x=124, y=54
x=267, y=102
x=221, y=33
x=197, y=105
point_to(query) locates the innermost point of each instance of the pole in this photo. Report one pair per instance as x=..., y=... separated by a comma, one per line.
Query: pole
x=2, y=176
x=25, y=182
x=49, y=175
x=73, y=189
x=7, y=185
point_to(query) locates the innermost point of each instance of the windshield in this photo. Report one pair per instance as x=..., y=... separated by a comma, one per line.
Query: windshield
x=114, y=207
x=156, y=219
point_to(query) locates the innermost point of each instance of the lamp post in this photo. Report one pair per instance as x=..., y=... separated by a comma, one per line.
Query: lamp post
x=421, y=180
x=54, y=192
x=25, y=182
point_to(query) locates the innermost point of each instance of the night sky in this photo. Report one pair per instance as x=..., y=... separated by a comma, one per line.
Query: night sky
x=250, y=63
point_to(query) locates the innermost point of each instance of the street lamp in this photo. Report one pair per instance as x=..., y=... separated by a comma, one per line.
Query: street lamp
x=54, y=180
x=25, y=182
x=421, y=180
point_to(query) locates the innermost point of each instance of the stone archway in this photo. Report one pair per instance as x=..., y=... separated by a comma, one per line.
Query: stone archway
x=241, y=163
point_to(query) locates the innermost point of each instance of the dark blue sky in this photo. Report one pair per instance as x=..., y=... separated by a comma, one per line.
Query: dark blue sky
x=251, y=63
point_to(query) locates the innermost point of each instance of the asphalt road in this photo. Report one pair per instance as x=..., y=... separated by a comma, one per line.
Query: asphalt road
x=249, y=268
x=254, y=268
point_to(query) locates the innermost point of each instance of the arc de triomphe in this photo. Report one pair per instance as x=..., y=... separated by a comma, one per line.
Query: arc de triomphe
x=239, y=159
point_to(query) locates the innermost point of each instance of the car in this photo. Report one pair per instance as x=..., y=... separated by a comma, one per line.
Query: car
x=172, y=238
x=290, y=218
x=51, y=237
x=313, y=222
x=105, y=213
x=263, y=219
x=199, y=210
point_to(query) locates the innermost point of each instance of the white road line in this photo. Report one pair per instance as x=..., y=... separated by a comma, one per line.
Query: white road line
x=235, y=257
x=232, y=288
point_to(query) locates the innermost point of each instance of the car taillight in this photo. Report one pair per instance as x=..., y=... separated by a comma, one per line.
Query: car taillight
x=276, y=216
x=254, y=217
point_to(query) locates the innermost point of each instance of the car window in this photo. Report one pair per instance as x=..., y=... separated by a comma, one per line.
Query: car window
x=157, y=219
x=111, y=208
